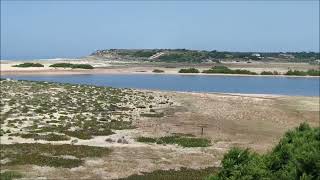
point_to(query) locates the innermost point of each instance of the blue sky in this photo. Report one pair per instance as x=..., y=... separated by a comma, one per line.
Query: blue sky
x=35, y=29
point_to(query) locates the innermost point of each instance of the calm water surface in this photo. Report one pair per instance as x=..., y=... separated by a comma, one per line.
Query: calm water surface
x=192, y=83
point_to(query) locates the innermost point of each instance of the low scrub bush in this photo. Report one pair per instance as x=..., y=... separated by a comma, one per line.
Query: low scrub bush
x=179, y=140
x=226, y=70
x=269, y=73
x=181, y=174
x=10, y=175
x=49, y=155
x=24, y=65
x=158, y=71
x=313, y=72
x=73, y=66
x=189, y=70
x=310, y=72
x=46, y=137
x=296, y=73
x=296, y=156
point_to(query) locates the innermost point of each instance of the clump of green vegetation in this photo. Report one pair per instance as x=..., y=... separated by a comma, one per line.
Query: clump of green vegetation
x=311, y=72
x=158, y=71
x=147, y=139
x=25, y=65
x=184, y=141
x=157, y=115
x=181, y=174
x=269, y=73
x=10, y=175
x=226, y=70
x=296, y=156
x=49, y=155
x=47, y=137
x=189, y=70
x=73, y=66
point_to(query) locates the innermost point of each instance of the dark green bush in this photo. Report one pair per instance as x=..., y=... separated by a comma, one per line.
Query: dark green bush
x=266, y=73
x=49, y=155
x=310, y=72
x=173, y=174
x=226, y=70
x=313, y=72
x=296, y=73
x=158, y=71
x=189, y=70
x=184, y=141
x=73, y=66
x=297, y=156
x=23, y=65
x=10, y=175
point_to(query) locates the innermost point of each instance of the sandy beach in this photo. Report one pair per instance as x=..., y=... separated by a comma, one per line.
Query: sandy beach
x=125, y=67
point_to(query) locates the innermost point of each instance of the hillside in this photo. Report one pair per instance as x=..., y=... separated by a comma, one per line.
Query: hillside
x=185, y=55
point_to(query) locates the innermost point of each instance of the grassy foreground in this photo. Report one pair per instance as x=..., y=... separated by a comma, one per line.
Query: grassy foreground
x=49, y=155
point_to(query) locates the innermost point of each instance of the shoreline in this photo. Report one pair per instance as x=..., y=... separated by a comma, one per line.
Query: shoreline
x=142, y=68
x=114, y=71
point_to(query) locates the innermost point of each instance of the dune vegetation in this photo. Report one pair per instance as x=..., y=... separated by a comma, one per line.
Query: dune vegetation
x=62, y=112
x=189, y=70
x=296, y=156
x=73, y=66
x=226, y=70
x=184, y=141
x=26, y=65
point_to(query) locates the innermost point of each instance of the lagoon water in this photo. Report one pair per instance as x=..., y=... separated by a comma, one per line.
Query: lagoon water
x=297, y=86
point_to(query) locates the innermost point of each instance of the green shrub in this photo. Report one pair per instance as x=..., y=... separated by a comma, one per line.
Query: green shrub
x=24, y=65
x=313, y=72
x=73, y=66
x=297, y=156
x=226, y=70
x=82, y=66
x=266, y=73
x=296, y=73
x=189, y=70
x=147, y=139
x=172, y=174
x=10, y=175
x=158, y=71
x=179, y=140
x=47, y=137
x=49, y=155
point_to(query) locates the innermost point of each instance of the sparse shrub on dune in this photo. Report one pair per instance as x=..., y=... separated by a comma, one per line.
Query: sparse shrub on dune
x=310, y=72
x=158, y=71
x=25, y=65
x=184, y=141
x=189, y=70
x=73, y=66
x=226, y=70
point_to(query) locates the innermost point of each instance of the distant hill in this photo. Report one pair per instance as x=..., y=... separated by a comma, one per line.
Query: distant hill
x=185, y=55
